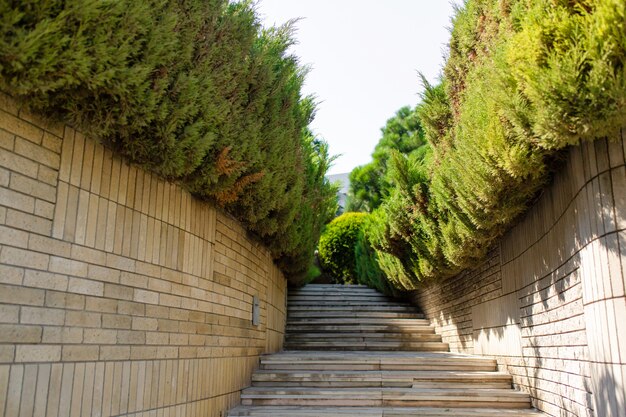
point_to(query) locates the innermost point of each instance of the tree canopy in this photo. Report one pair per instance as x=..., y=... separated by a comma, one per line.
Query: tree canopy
x=369, y=184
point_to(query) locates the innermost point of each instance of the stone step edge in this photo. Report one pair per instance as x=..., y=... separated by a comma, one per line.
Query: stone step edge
x=312, y=411
x=414, y=375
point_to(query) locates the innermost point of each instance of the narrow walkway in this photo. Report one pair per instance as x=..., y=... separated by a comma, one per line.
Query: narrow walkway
x=351, y=351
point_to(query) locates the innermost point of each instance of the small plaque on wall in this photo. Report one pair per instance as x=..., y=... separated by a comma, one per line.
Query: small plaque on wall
x=256, y=311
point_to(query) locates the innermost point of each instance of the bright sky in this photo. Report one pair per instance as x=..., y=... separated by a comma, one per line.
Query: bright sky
x=364, y=57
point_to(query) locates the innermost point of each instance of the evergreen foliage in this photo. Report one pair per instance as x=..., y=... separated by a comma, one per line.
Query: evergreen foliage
x=367, y=269
x=524, y=79
x=194, y=90
x=369, y=184
x=336, y=252
x=312, y=273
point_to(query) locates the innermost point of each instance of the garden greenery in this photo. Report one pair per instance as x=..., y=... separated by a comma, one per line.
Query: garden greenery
x=194, y=90
x=336, y=247
x=524, y=79
x=369, y=185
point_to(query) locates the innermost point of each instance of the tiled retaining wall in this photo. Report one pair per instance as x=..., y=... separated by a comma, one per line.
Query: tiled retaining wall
x=120, y=294
x=549, y=301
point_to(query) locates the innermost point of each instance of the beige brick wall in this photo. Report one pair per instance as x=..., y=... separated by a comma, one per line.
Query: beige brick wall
x=120, y=294
x=548, y=302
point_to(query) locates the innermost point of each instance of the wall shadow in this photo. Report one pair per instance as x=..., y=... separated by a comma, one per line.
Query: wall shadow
x=566, y=253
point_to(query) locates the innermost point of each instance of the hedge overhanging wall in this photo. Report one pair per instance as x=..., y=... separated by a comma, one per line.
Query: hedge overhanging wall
x=195, y=91
x=549, y=300
x=120, y=293
x=524, y=80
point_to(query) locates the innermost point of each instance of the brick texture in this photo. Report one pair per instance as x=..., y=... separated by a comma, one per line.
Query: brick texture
x=120, y=294
x=548, y=302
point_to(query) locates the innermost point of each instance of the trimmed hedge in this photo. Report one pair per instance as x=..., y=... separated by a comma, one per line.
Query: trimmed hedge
x=194, y=90
x=336, y=247
x=524, y=79
x=367, y=269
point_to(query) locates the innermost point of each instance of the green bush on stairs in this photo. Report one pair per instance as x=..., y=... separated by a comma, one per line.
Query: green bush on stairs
x=336, y=247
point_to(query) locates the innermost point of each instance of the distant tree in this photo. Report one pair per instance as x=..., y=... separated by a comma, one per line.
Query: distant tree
x=336, y=247
x=369, y=183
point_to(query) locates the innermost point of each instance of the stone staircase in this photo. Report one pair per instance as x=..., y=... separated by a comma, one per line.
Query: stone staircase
x=351, y=351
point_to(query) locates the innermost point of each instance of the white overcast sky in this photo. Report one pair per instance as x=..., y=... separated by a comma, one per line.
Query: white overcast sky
x=364, y=57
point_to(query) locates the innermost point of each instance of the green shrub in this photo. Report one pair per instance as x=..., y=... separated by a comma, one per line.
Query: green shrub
x=568, y=60
x=336, y=247
x=524, y=79
x=194, y=90
x=312, y=273
x=368, y=271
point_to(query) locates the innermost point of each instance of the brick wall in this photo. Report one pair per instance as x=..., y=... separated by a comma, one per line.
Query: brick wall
x=548, y=302
x=119, y=292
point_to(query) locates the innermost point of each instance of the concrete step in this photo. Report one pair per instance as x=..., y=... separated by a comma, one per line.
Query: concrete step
x=353, y=314
x=385, y=397
x=398, y=379
x=358, y=328
x=343, y=296
x=316, y=286
x=341, y=307
x=388, y=321
x=379, y=361
x=322, y=301
x=316, y=411
x=342, y=300
x=332, y=287
x=346, y=294
x=363, y=336
x=337, y=293
x=368, y=345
